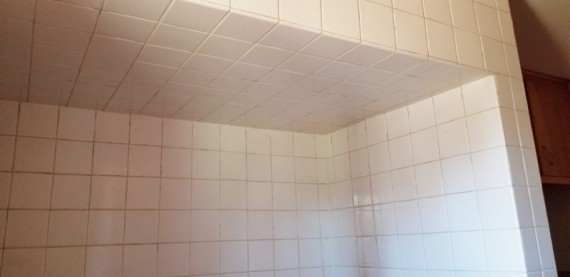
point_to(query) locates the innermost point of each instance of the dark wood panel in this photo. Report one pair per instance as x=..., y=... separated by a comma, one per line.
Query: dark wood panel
x=549, y=103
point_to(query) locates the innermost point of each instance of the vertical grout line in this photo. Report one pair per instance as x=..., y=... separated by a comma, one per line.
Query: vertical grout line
x=395, y=34
x=485, y=62
x=353, y=207
x=331, y=191
x=444, y=195
x=219, y=211
x=417, y=198
x=476, y=189
x=319, y=207
x=298, y=237
x=159, y=194
x=324, y=212
x=96, y=114
x=453, y=29
x=49, y=209
x=84, y=56
x=246, y=202
x=4, y=237
x=125, y=197
x=372, y=205
x=397, y=234
x=425, y=19
x=272, y=212
x=31, y=52
x=191, y=193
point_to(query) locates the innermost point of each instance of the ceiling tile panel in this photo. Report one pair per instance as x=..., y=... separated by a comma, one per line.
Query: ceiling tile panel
x=176, y=37
x=151, y=71
x=147, y=9
x=163, y=56
x=264, y=89
x=338, y=70
x=282, y=78
x=207, y=64
x=329, y=46
x=61, y=38
x=315, y=83
x=55, y=55
x=304, y=63
x=95, y=4
x=266, y=56
x=21, y=9
x=66, y=16
x=366, y=55
x=108, y=71
x=249, y=100
x=15, y=30
x=370, y=77
x=193, y=78
x=197, y=15
x=125, y=27
x=399, y=62
x=114, y=48
x=288, y=36
x=245, y=26
x=249, y=64
x=231, y=84
x=247, y=71
x=224, y=47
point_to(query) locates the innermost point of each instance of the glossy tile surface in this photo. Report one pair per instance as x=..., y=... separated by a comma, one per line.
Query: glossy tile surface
x=203, y=61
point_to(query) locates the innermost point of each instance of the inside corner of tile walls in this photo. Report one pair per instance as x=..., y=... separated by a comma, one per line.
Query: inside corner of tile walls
x=223, y=189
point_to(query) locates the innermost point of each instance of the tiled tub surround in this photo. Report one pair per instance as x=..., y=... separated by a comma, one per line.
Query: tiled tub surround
x=447, y=186
x=302, y=65
x=108, y=194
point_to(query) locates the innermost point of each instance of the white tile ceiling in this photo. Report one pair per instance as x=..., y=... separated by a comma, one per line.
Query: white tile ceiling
x=198, y=60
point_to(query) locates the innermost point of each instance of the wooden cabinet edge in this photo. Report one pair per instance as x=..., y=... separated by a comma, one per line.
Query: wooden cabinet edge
x=555, y=180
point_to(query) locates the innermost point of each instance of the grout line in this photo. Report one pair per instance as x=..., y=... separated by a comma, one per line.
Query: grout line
x=158, y=22
x=4, y=238
x=49, y=210
x=31, y=52
x=90, y=191
x=158, y=212
x=354, y=207
x=84, y=56
x=192, y=54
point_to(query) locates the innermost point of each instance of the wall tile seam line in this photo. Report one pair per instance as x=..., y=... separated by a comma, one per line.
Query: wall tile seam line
x=4, y=237
x=502, y=41
x=299, y=156
x=47, y=228
x=165, y=243
x=95, y=116
x=370, y=187
x=442, y=175
x=163, y=177
x=483, y=52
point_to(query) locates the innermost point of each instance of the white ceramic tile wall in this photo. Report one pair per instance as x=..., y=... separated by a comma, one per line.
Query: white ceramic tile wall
x=444, y=190
x=50, y=179
x=104, y=194
x=424, y=189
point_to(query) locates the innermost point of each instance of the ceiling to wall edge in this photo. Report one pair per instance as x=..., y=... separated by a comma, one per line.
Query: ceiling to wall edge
x=396, y=78
x=372, y=115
